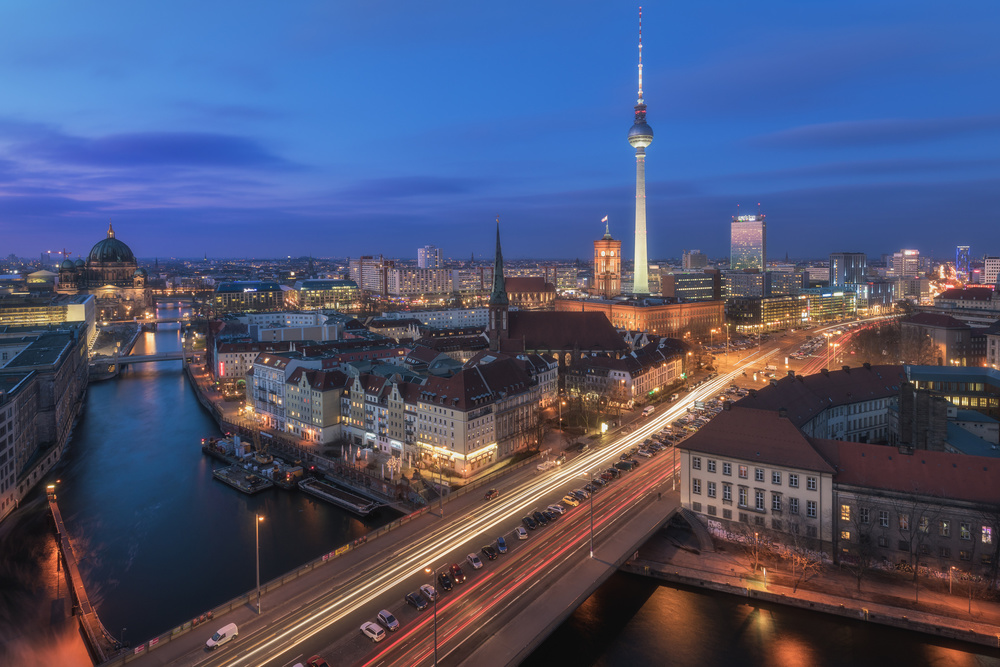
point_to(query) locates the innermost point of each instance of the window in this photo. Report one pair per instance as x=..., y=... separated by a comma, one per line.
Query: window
x=776, y=524
x=810, y=531
x=758, y=474
x=845, y=512
x=711, y=489
x=864, y=515
x=727, y=468
x=903, y=545
x=965, y=530
x=793, y=481
x=775, y=477
x=794, y=528
x=883, y=518
x=883, y=541
x=904, y=521
x=696, y=507
x=758, y=500
x=727, y=514
x=711, y=510
x=945, y=552
x=743, y=496
x=696, y=462
x=965, y=555
x=924, y=525
x=743, y=517
x=811, y=509
x=775, y=502
x=845, y=535
x=758, y=520
x=695, y=486
x=944, y=528
x=743, y=472
x=793, y=505
x=727, y=492
x=811, y=483
x=711, y=465
x=987, y=535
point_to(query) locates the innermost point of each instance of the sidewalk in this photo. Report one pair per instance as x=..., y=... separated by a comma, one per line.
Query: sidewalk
x=883, y=598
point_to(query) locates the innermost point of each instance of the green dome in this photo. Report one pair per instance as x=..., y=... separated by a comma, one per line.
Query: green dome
x=111, y=250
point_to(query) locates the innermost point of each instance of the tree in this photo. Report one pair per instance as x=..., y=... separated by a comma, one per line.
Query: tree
x=805, y=562
x=914, y=520
x=863, y=535
x=755, y=543
x=916, y=347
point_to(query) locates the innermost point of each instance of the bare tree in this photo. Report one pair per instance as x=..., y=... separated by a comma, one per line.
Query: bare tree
x=805, y=562
x=756, y=545
x=862, y=552
x=916, y=347
x=914, y=519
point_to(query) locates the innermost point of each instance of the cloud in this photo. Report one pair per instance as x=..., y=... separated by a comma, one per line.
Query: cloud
x=34, y=206
x=867, y=168
x=891, y=131
x=413, y=186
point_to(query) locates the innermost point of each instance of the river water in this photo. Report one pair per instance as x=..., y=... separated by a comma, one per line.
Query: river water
x=161, y=542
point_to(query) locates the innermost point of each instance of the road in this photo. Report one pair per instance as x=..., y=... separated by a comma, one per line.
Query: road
x=327, y=621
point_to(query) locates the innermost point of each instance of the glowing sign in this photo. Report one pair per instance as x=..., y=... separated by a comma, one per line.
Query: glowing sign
x=749, y=218
x=249, y=289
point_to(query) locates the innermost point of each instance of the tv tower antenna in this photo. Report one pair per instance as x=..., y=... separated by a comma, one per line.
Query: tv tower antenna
x=640, y=55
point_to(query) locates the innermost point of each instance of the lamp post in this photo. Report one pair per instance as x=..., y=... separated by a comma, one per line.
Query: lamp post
x=256, y=526
x=433, y=573
x=765, y=577
x=727, y=342
x=951, y=570
x=561, y=404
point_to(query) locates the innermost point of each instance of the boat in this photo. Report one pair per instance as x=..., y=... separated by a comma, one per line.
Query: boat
x=241, y=479
x=349, y=501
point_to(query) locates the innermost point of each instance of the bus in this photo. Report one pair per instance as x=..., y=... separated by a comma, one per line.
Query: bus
x=648, y=410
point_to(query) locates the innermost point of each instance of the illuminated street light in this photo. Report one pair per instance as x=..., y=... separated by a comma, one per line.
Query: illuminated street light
x=256, y=525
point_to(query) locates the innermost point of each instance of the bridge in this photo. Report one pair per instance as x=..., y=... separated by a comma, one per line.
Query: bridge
x=504, y=610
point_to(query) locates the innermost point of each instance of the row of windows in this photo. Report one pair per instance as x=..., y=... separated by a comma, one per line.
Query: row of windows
x=759, y=498
x=758, y=473
x=942, y=526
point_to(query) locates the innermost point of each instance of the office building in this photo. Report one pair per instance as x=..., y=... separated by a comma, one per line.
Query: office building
x=991, y=269
x=694, y=285
x=906, y=264
x=243, y=296
x=429, y=257
x=694, y=259
x=326, y=294
x=848, y=268
x=962, y=261
x=747, y=283
x=748, y=243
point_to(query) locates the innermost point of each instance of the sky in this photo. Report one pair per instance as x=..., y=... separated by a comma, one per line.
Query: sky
x=258, y=129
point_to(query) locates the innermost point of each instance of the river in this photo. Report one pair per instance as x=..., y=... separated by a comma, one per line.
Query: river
x=161, y=542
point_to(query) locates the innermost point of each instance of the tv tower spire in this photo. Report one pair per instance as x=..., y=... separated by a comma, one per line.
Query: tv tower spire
x=640, y=136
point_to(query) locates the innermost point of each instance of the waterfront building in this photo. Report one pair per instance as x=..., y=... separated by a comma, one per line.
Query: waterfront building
x=848, y=269
x=660, y=316
x=748, y=243
x=230, y=362
x=111, y=274
x=313, y=404
x=429, y=257
x=326, y=294
x=693, y=259
x=40, y=311
x=640, y=136
x=694, y=285
x=18, y=410
x=962, y=262
x=247, y=296
x=607, y=265
x=906, y=264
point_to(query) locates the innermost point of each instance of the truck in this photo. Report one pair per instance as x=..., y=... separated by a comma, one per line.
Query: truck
x=648, y=410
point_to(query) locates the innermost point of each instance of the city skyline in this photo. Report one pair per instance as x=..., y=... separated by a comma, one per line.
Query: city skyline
x=349, y=131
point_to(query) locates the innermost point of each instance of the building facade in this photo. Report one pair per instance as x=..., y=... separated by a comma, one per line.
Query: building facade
x=247, y=296
x=429, y=257
x=607, y=266
x=848, y=268
x=341, y=295
x=748, y=243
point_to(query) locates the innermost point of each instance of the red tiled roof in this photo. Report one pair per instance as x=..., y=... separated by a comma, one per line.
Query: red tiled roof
x=541, y=330
x=938, y=474
x=479, y=385
x=277, y=346
x=318, y=380
x=805, y=397
x=757, y=436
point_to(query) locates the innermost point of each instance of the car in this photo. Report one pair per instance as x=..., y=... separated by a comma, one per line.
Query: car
x=551, y=516
x=456, y=574
x=429, y=592
x=416, y=600
x=474, y=561
x=625, y=466
x=572, y=501
x=491, y=494
x=607, y=476
x=317, y=661
x=589, y=488
x=598, y=482
x=445, y=582
x=646, y=453
x=556, y=509
x=625, y=457
x=501, y=545
x=614, y=472
x=540, y=518
x=522, y=534
x=489, y=552
x=581, y=494
x=223, y=635
x=529, y=523
x=390, y=622
x=373, y=631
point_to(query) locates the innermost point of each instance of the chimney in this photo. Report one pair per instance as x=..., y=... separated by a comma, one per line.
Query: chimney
x=782, y=413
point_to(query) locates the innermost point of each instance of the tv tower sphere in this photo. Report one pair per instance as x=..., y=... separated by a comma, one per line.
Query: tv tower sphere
x=640, y=135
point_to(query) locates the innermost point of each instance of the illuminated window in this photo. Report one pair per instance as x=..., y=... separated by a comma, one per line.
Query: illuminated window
x=987, y=535
x=845, y=512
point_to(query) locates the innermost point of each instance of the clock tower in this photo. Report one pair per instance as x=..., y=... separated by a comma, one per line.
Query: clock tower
x=607, y=265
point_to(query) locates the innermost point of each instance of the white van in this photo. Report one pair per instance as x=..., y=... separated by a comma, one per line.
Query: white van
x=223, y=635
x=648, y=410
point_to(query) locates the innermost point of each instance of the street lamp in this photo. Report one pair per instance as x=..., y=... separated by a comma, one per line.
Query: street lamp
x=256, y=526
x=765, y=577
x=593, y=490
x=561, y=404
x=951, y=570
x=433, y=574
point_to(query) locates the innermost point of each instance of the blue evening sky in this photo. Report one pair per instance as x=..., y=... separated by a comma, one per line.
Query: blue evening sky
x=348, y=128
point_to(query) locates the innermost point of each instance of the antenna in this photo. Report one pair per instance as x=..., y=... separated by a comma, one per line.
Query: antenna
x=640, y=55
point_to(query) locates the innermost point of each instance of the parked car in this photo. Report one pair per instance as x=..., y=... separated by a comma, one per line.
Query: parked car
x=390, y=622
x=522, y=534
x=317, y=661
x=489, y=552
x=598, y=482
x=373, y=631
x=222, y=636
x=539, y=518
x=444, y=581
x=571, y=500
x=581, y=494
x=501, y=545
x=551, y=516
x=614, y=472
x=416, y=600
x=456, y=574
x=529, y=523
x=556, y=509
x=474, y=561
x=491, y=494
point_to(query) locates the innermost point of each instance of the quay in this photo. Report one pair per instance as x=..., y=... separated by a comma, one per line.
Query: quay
x=339, y=497
x=242, y=480
x=100, y=642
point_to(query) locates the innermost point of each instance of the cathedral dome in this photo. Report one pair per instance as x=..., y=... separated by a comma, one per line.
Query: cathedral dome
x=80, y=264
x=67, y=265
x=111, y=250
x=140, y=272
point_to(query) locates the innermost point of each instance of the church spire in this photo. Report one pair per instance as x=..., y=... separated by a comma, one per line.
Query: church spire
x=499, y=295
x=111, y=231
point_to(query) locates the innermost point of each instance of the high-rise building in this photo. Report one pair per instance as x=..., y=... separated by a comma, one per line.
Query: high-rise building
x=429, y=257
x=906, y=264
x=962, y=261
x=607, y=265
x=991, y=269
x=694, y=259
x=748, y=243
x=640, y=136
x=848, y=268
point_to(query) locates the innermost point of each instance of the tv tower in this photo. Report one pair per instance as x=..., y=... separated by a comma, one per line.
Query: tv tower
x=640, y=136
